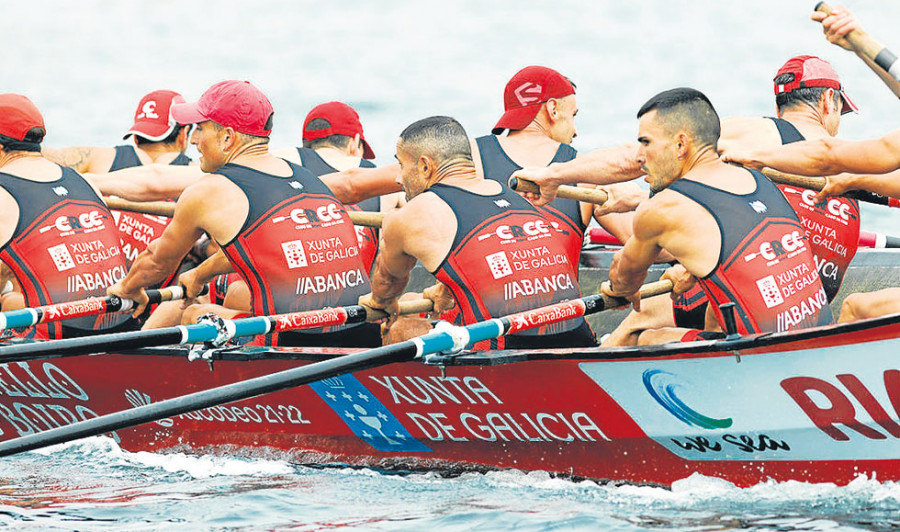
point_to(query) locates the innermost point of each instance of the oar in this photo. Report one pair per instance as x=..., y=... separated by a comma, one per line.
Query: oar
x=165, y=208
x=27, y=317
x=446, y=340
x=878, y=240
x=869, y=47
x=202, y=332
x=587, y=195
x=818, y=183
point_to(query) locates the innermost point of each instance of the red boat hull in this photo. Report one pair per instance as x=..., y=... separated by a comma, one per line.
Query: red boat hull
x=811, y=407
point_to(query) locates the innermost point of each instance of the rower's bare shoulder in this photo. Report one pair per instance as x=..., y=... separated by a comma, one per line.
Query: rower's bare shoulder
x=743, y=130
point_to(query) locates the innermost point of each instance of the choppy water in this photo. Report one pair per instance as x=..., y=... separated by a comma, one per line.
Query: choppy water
x=87, y=63
x=95, y=486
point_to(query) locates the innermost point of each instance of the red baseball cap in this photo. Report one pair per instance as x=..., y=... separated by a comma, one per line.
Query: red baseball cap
x=812, y=71
x=344, y=121
x=18, y=116
x=526, y=91
x=152, y=119
x=233, y=103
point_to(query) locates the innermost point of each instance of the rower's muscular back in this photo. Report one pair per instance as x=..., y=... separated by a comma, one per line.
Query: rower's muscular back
x=33, y=169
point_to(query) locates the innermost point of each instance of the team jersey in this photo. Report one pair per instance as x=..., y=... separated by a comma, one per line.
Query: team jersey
x=297, y=248
x=137, y=230
x=367, y=237
x=65, y=248
x=564, y=214
x=832, y=226
x=765, y=266
x=505, y=258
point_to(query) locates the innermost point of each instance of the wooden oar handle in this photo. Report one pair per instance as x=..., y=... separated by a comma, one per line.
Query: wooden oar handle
x=812, y=183
x=418, y=306
x=165, y=208
x=868, y=46
x=663, y=286
x=159, y=208
x=365, y=218
x=587, y=195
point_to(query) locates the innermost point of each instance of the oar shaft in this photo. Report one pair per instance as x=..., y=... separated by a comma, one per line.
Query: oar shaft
x=27, y=317
x=587, y=195
x=165, y=208
x=202, y=332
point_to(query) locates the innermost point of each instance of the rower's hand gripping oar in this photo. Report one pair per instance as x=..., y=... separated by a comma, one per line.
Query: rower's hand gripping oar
x=93, y=306
x=587, y=195
x=818, y=183
x=165, y=208
x=446, y=340
x=866, y=45
x=216, y=332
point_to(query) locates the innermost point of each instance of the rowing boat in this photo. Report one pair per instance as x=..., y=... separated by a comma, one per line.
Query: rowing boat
x=818, y=405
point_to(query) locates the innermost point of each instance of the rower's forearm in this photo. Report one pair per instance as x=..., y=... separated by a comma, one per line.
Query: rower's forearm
x=148, y=270
x=359, y=184
x=884, y=184
x=601, y=167
x=386, y=286
x=217, y=264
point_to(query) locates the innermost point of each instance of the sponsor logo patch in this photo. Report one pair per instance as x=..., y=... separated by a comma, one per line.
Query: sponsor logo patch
x=294, y=254
x=61, y=257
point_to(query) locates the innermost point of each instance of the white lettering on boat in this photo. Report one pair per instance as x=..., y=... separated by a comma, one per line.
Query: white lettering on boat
x=505, y=426
x=418, y=390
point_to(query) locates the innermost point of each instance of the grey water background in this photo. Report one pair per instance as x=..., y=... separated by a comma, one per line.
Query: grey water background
x=87, y=63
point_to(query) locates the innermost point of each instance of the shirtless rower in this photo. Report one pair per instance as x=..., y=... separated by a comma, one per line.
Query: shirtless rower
x=729, y=227
x=810, y=101
x=58, y=237
x=279, y=226
x=829, y=156
x=493, y=250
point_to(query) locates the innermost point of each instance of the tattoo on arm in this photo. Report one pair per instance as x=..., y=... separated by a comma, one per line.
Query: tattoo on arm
x=76, y=157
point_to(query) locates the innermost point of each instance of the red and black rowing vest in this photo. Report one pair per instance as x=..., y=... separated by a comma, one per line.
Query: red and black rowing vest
x=65, y=248
x=505, y=258
x=137, y=230
x=367, y=237
x=765, y=265
x=297, y=248
x=832, y=226
x=564, y=214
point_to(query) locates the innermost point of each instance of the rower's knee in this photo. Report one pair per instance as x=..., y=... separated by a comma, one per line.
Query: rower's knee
x=660, y=336
x=193, y=312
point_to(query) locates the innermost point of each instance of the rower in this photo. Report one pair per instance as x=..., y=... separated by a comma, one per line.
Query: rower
x=333, y=141
x=829, y=156
x=278, y=225
x=490, y=248
x=729, y=227
x=58, y=238
x=539, y=118
x=810, y=101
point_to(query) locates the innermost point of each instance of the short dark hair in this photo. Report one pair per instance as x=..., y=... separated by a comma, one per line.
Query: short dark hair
x=688, y=109
x=31, y=141
x=801, y=96
x=440, y=137
x=335, y=141
x=172, y=137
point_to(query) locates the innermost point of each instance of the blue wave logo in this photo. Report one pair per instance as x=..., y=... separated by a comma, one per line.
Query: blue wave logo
x=658, y=384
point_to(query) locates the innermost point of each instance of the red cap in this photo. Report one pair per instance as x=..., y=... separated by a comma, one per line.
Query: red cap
x=18, y=116
x=235, y=104
x=811, y=71
x=526, y=91
x=344, y=121
x=152, y=119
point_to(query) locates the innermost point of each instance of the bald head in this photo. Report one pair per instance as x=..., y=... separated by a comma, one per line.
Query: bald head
x=688, y=110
